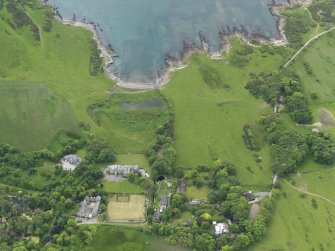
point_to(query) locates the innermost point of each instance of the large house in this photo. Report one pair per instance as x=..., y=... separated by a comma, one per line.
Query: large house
x=89, y=207
x=70, y=162
x=124, y=170
x=220, y=228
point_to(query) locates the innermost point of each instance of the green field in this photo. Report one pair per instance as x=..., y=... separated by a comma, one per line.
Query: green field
x=121, y=187
x=296, y=225
x=61, y=64
x=31, y=115
x=109, y=238
x=131, y=129
x=209, y=119
x=320, y=80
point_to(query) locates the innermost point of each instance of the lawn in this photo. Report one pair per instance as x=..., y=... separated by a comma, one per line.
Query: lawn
x=112, y=238
x=131, y=211
x=197, y=193
x=31, y=115
x=121, y=187
x=209, y=119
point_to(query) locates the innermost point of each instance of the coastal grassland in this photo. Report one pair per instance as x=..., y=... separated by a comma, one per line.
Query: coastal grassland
x=131, y=119
x=61, y=64
x=297, y=225
x=130, y=211
x=115, y=238
x=31, y=115
x=211, y=107
x=121, y=187
x=315, y=67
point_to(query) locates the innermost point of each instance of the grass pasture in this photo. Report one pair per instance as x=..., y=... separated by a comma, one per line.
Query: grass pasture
x=121, y=210
x=31, y=115
x=296, y=225
x=211, y=107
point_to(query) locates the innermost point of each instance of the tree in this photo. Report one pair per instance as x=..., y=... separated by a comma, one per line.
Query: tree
x=298, y=108
x=241, y=241
x=204, y=242
x=177, y=200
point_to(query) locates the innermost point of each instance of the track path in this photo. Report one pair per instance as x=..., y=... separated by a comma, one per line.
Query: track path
x=39, y=28
x=309, y=193
x=306, y=44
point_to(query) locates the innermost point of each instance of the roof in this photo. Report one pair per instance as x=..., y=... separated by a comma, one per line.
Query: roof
x=182, y=186
x=221, y=228
x=249, y=196
x=194, y=203
x=70, y=162
x=164, y=200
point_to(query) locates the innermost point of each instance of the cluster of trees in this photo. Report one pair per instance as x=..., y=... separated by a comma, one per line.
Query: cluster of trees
x=288, y=148
x=323, y=11
x=21, y=18
x=161, y=154
x=99, y=152
x=284, y=87
x=322, y=147
x=48, y=19
x=295, y=27
x=249, y=139
x=47, y=209
x=225, y=201
x=38, y=216
x=95, y=59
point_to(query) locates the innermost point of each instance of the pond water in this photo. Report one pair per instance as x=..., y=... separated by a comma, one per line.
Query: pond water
x=144, y=32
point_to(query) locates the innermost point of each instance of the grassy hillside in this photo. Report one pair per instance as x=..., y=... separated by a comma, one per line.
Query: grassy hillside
x=61, y=63
x=211, y=107
x=297, y=225
x=31, y=115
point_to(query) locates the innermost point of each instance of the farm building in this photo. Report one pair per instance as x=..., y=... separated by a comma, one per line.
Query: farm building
x=164, y=203
x=220, y=228
x=70, y=162
x=89, y=207
x=124, y=170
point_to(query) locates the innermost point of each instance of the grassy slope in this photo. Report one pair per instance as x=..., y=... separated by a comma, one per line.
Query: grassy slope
x=209, y=121
x=61, y=64
x=31, y=115
x=296, y=225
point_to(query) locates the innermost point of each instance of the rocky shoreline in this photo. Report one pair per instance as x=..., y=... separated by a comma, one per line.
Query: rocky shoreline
x=173, y=64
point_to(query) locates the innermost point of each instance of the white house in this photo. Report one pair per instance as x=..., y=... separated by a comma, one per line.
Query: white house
x=220, y=228
x=70, y=162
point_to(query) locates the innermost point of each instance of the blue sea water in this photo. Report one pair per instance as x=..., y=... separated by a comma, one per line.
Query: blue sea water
x=144, y=32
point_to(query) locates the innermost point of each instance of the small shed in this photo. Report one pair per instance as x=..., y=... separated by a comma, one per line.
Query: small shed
x=249, y=196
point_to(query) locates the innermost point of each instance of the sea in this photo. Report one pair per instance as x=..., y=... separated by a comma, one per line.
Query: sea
x=146, y=34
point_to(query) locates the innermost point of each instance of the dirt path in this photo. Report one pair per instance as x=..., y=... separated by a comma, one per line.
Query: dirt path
x=306, y=44
x=309, y=193
x=39, y=28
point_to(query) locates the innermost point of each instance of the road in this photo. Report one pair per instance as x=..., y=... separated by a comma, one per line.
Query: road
x=306, y=44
